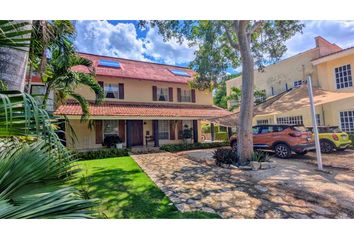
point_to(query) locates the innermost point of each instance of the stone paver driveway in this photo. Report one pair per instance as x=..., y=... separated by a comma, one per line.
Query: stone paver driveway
x=231, y=193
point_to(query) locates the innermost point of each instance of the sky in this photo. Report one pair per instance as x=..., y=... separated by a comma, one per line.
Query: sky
x=125, y=39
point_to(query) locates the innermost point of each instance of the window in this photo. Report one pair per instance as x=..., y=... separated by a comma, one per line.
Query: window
x=297, y=83
x=164, y=128
x=37, y=89
x=347, y=121
x=262, y=122
x=286, y=87
x=318, y=119
x=110, y=128
x=272, y=91
x=179, y=72
x=297, y=120
x=186, y=95
x=111, y=90
x=234, y=102
x=108, y=63
x=266, y=129
x=260, y=97
x=162, y=94
x=255, y=130
x=343, y=76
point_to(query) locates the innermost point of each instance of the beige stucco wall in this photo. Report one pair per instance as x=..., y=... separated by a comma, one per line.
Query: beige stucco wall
x=86, y=138
x=277, y=75
x=326, y=74
x=141, y=91
x=304, y=112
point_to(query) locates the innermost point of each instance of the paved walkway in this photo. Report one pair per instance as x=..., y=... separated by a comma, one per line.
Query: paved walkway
x=231, y=193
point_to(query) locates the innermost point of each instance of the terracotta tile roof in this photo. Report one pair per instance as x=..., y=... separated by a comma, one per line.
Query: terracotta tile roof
x=144, y=110
x=133, y=69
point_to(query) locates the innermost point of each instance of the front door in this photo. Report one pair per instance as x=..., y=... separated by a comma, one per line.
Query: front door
x=137, y=132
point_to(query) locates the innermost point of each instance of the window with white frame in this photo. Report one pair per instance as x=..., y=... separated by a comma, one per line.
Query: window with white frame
x=162, y=94
x=186, y=95
x=164, y=129
x=297, y=83
x=343, y=76
x=290, y=120
x=110, y=128
x=347, y=121
x=111, y=90
x=262, y=122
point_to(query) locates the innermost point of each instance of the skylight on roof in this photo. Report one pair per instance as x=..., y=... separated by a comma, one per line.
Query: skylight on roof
x=108, y=63
x=179, y=72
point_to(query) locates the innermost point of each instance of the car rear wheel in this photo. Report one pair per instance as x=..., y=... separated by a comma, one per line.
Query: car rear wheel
x=282, y=150
x=326, y=146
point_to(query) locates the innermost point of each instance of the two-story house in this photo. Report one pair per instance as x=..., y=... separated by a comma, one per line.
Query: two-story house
x=143, y=101
x=330, y=68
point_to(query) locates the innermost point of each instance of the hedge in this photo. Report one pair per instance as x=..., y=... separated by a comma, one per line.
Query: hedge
x=102, y=153
x=191, y=146
x=223, y=136
x=351, y=137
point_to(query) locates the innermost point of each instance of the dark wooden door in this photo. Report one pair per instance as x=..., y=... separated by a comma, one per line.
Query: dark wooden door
x=137, y=132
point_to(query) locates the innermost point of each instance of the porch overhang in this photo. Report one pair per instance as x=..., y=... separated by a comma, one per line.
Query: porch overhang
x=288, y=101
x=136, y=110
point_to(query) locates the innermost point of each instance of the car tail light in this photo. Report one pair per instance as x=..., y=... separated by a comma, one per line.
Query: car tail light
x=335, y=137
x=295, y=134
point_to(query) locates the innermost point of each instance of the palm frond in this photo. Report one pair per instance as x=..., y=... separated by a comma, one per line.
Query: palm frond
x=14, y=34
x=84, y=105
x=22, y=166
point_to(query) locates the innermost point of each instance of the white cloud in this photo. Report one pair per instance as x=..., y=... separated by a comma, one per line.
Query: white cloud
x=101, y=37
x=339, y=32
x=121, y=40
x=170, y=52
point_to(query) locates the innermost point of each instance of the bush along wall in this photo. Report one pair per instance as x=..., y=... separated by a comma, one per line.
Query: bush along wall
x=191, y=146
x=102, y=153
x=351, y=137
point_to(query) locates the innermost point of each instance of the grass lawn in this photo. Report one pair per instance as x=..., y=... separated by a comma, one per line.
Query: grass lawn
x=123, y=190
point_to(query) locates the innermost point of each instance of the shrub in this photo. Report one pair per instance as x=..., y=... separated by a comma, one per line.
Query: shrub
x=111, y=141
x=223, y=136
x=191, y=146
x=225, y=156
x=351, y=137
x=102, y=153
x=259, y=156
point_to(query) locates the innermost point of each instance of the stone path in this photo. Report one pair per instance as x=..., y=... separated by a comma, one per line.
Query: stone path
x=231, y=193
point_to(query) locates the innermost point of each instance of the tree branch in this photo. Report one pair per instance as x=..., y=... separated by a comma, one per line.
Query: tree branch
x=229, y=38
x=256, y=25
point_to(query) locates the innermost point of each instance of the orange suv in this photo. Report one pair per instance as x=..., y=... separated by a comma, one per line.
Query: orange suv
x=282, y=139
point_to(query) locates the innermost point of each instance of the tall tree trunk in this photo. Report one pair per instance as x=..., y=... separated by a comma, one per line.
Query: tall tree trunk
x=13, y=65
x=244, y=128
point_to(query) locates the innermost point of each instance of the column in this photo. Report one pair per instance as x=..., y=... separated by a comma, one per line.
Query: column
x=155, y=128
x=129, y=133
x=212, y=131
x=195, y=131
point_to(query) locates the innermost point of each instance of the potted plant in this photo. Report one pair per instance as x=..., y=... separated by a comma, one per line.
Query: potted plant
x=113, y=141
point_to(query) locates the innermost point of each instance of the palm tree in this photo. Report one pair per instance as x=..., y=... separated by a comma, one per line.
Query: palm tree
x=32, y=157
x=14, y=43
x=63, y=80
x=30, y=166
